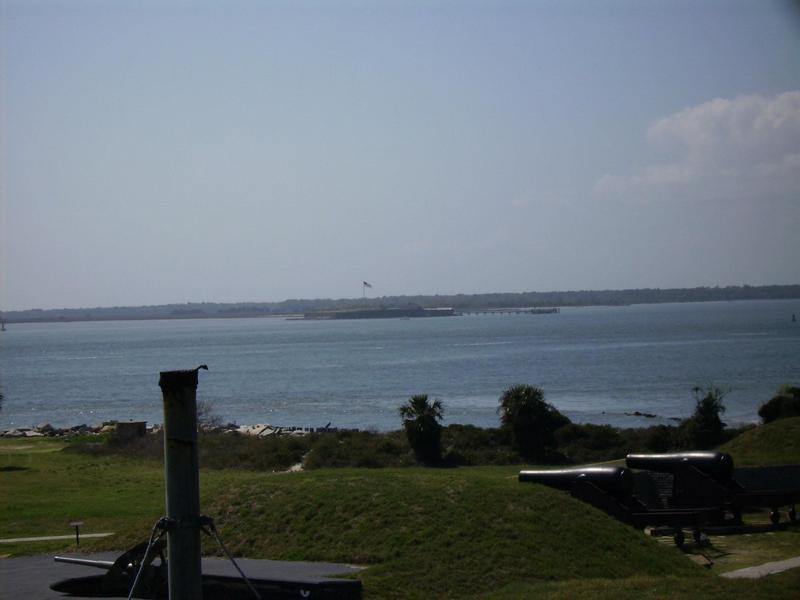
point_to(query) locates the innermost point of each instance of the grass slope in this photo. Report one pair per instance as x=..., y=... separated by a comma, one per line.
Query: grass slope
x=421, y=526
x=776, y=443
x=782, y=586
x=424, y=533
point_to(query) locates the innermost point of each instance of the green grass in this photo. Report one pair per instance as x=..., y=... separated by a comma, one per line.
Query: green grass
x=731, y=552
x=476, y=522
x=423, y=533
x=776, y=443
x=43, y=489
x=782, y=586
x=483, y=528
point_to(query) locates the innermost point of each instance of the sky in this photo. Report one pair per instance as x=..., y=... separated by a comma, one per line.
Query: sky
x=161, y=152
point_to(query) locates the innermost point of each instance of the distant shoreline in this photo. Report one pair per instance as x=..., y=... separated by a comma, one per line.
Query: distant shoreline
x=458, y=302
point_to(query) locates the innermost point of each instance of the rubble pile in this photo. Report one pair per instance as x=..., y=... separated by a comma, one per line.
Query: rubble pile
x=259, y=430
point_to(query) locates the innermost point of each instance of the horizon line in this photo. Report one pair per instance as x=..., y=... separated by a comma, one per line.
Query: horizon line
x=424, y=295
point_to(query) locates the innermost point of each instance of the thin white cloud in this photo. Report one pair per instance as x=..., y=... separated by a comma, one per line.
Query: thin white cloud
x=747, y=147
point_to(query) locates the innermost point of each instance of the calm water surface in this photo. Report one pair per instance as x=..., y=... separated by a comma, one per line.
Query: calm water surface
x=595, y=364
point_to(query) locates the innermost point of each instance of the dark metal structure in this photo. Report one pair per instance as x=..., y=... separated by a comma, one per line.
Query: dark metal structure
x=612, y=490
x=701, y=491
x=119, y=575
x=181, y=475
x=709, y=480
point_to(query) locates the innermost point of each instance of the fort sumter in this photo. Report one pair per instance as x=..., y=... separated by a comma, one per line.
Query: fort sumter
x=401, y=312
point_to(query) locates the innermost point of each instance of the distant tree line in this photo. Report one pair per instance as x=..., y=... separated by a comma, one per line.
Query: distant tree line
x=538, y=432
x=530, y=431
x=460, y=302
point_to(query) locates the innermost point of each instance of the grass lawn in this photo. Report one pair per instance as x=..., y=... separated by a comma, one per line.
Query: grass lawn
x=776, y=443
x=731, y=552
x=43, y=489
x=423, y=533
x=774, y=587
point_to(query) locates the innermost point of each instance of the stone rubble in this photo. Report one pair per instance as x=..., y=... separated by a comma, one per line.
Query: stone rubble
x=258, y=430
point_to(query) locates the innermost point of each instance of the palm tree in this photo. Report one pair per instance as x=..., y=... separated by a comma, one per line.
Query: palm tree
x=530, y=420
x=421, y=423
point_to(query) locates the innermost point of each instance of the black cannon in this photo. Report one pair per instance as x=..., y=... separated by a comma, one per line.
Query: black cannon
x=616, y=481
x=709, y=480
x=120, y=574
x=612, y=490
x=717, y=465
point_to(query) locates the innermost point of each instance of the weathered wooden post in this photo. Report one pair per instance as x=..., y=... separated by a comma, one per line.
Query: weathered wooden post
x=179, y=389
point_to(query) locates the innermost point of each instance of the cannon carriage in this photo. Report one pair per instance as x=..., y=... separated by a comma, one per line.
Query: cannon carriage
x=710, y=480
x=700, y=491
x=613, y=490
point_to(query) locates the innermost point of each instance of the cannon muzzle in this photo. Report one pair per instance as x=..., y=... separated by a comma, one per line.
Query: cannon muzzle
x=616, y=481
x=85, y=562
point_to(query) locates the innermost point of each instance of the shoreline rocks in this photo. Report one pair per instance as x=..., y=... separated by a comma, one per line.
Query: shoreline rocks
x=139, y=428
x=266, y=430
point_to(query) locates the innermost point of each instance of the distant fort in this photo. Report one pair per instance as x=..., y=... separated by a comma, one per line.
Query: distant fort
x=412, y=312
x=404, y=312
x=462, y=304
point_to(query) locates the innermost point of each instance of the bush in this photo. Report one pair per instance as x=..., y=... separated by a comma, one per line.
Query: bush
x=231, y=450
x=149, y=447
x=785, y=404
x=590, y=443
x=358, y=449
x=704, y=429
x=655, y=439
x=423, y=430
x=530, y=421
x=207, y=417
x=470, y=445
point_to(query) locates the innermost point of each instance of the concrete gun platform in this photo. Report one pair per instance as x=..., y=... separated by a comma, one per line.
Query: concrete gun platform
x=31, y=576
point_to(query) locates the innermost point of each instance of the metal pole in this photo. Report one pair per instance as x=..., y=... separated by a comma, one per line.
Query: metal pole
x=179, y=389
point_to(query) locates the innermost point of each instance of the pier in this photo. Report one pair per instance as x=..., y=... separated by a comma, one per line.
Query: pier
x=529, y=310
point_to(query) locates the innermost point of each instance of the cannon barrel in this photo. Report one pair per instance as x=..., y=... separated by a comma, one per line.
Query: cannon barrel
x=617, y=481
x=717, y=465
x=98, y=564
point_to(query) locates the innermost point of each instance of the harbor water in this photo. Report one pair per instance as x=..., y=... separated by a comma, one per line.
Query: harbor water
x=595, y=364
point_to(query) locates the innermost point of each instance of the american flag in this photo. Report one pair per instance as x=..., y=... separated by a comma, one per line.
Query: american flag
x=366, y=284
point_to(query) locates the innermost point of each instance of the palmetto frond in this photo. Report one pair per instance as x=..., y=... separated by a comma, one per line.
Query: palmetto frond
x=421, y=422
x=418, y=406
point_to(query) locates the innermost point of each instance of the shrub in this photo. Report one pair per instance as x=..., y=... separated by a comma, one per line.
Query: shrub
x=218, y=450
x=704, y=429
x=785, y=404
x=471, y=445
x=587, y=443
x=657, y=439
x=423, y=430
x=530, y=420
x=207, y=417
x=358, y=449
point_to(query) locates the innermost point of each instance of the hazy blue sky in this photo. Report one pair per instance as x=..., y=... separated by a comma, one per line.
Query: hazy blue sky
x=159, y=152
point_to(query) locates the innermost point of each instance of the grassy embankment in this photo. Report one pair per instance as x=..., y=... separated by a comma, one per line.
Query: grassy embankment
x=777, y=443
x=467, y=532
